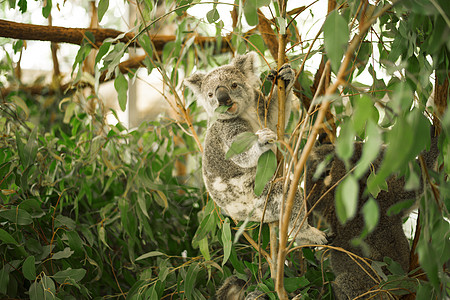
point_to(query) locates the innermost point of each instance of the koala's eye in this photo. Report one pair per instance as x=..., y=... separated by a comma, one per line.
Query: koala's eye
x=234, y=85
x=210, y=95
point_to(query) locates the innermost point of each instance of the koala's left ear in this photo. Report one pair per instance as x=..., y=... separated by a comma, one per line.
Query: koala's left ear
x=248, y=64
x=194, y=82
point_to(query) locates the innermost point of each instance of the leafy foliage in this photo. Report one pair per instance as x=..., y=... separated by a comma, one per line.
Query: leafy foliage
x=91, y=210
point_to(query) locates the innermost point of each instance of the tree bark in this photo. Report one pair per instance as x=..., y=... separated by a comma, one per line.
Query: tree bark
x=58, y=34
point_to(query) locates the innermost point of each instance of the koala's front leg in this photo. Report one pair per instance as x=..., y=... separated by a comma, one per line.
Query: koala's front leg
x=249, y=158
x=288, y=75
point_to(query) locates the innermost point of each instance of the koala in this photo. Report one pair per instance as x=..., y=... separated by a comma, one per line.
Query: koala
x=230, y=182
x=386, y=240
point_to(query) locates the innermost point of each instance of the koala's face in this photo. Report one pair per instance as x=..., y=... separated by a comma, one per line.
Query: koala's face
x=231, y=86
x=226, y=86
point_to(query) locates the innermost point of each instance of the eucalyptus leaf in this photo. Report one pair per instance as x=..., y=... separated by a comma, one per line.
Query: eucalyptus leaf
x=344, y=143
x=266, y=168
x=226, y=240
x=371, y=214
x=6, y=238
x=102, y=8
x=336, y=34
x=69, y=274
x=347, y=194
x=242, y=143
x=66, y=253
x=222, y=109
x=213, y=15
x=191, y=277
x=150, y=254
x=29, y=269
x=121, y=86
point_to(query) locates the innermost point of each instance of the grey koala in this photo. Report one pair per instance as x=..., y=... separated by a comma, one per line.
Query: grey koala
x=386, y=240
x=230, y=182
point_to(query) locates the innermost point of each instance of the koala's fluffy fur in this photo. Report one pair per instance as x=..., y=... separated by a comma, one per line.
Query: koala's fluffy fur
x=386, y=240
x=230, y=182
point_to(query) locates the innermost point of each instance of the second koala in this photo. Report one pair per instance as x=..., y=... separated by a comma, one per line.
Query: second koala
x=230, y=182
x=353, y=278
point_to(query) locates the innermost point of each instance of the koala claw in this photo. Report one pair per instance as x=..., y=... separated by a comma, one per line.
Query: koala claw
x=312, y=235
x=285, y=72
x=266, y=136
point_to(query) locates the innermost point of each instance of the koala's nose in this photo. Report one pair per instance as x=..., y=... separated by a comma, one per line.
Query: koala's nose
x=222, y=96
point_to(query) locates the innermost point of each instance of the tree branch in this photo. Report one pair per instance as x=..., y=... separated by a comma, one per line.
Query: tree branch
x=58, y=34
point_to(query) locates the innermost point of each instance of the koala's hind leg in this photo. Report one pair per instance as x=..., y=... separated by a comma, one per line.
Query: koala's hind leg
x=307, y=235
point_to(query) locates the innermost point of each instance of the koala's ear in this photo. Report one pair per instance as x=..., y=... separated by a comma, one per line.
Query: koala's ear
x=248, y=64
x=194, y=82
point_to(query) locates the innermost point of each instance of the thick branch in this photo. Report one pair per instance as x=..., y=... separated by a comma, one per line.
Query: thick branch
x=57, y=34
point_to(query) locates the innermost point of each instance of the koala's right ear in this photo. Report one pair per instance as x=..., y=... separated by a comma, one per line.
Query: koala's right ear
x=194, y=82
x=248, y=64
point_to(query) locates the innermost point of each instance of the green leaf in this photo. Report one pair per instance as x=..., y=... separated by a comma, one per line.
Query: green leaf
x=371, y=214
x=69, y=274
x=29, y=269
x=250, y=12
x=27, y=153
x=204, y=249
x=17, y=215
x=75, y=242
x=364, y=111
x=226, y=240
x=7, y=238
x=213, y=15
x=102, y=50
x=102, y=8
x=189, y=282
x=20, y=103
x=221, y=109
x=63, y=254
x=281, y=24
x=345, y=143
x=267, y=165
x=149, y=254
x=400, y=206
x=47, y=8
x=294, y=283
x=63, y=221
x=242, y=143
x=146, y=44
x=121, y=86
x=44, y=289
x=336, y=34
x=376, y=184
x=205, y=227
x=347, y=198
x=256, y=43
x=4, y=280
x=371, y=149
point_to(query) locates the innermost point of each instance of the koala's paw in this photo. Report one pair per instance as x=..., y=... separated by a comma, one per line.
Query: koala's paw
x=286, y=73
x=311, y=235
x=266, y=137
